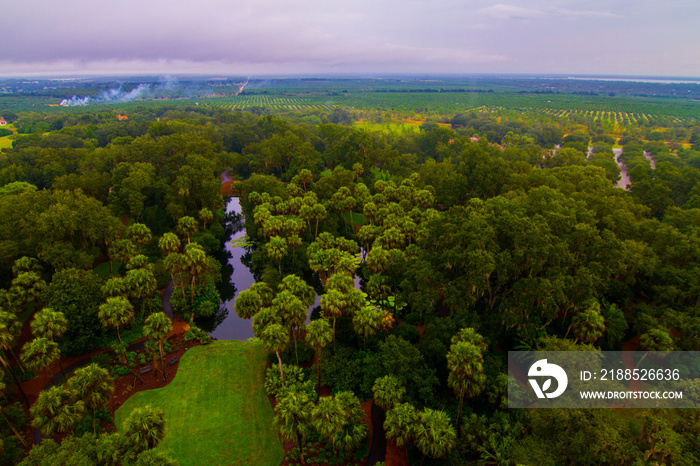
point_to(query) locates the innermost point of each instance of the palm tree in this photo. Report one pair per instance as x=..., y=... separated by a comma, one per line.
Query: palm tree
x=49, y=324
x=169, y=243
x=27, y=288
x=94, y=386
x=292, y=312
x=6, y=338
x=187, y=226
x=115, y=313
x=205, y=215
x=293, y=417
x=143, y=430
x=588, y=325
x=400, y=423
x=250, y=301
x=196, y=265
x=368, y=321
x=157, y=327
x=276, y=250
x=141, y=284
x=318, y=335
x=4, y=415
x=41, y=353
x=175, y=264
x=299, y=288
x=57, y=411
x=339, y=419
x=434, y=435
x=275, y=338
x=465, y=361
x=120, y=250
x=466, y=364
x=388, y=392
x=139, y=234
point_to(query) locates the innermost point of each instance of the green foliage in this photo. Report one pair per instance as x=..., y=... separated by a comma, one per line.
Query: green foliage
x=77, y=294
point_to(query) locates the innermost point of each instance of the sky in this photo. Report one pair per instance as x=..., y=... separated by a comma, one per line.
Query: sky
x=264, y=37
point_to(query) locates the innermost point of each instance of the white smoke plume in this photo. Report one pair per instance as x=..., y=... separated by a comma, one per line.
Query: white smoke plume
x=142, y=91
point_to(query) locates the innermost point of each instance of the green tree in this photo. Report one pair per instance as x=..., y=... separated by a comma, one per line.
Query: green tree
x=206, y=216
x=187, y=226
x=434, y=435
x=9, y=422
x=588, y=325
x=400, y=423
x=293, y=417
x=115, y=313
x=318, y=335
x=465, y=361
x=169, y=243
x=49, y=324
x=276, y=250
x=6, y=339
x=40, y=353
x=339, y=420
x=388, y=392
x=93, y=386
x=275, y=338
x=250, y=301
x=139, y=234
x=156, y=328
x=292, y=312
x=57, y=411
x=367, y=321
x=143, y=430
x=196, y=265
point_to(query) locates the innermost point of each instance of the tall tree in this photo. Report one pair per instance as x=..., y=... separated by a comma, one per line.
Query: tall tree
x=465, y=360
x=318, y=335
x=276, y=250
x=57, y=411
x=49, y=323
x=116, y=313
x=6, y=339
x=156, y=328
x=388, y=392
x=169, y=243
x=275, y=338
x=293, y=417
x=143, y=430
x=434, y=435
x=367, y=321
x=292, y=312
x=196, y=265
x=6, y=418
x=206, y=216
x=40, y=353
x=187, y=226
x=94, y=386
x=140, y=234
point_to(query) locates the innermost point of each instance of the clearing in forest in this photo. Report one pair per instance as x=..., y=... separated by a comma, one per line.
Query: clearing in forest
x=216, y=409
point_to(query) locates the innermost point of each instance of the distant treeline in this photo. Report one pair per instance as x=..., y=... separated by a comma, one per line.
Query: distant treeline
x=432, y=90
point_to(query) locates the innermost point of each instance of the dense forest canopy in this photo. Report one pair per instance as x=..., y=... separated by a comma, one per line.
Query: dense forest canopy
x=473, y=232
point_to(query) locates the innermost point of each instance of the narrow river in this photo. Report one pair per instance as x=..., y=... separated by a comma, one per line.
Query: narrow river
x=233, y=327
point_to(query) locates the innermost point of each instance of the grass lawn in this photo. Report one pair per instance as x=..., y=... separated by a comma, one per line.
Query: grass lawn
x=216, y=409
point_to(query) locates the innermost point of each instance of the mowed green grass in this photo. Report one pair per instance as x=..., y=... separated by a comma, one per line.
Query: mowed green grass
x=216, y=409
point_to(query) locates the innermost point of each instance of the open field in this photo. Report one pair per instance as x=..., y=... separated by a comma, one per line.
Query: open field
x=216, y=409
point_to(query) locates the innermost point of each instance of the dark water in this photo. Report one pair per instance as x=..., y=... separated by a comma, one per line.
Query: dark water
x=231, y=326
x=227, y=325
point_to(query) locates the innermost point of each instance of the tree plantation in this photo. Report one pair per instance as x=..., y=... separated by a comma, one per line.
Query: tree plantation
x=394, y=270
